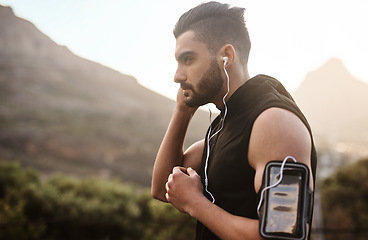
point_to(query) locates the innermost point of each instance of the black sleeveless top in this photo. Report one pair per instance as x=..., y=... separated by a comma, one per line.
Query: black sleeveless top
x=230, y=177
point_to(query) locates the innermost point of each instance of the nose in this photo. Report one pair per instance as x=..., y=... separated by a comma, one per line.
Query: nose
x=180, y=75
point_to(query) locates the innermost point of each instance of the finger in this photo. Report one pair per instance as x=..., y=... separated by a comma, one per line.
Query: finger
x=177, y=169
x=170, y=178
x=167, y=186
x=167, y=197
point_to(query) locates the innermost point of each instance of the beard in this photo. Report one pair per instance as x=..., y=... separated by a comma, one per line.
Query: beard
x=208, y=87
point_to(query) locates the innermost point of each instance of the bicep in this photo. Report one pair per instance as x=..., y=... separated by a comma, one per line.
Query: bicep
x=278, y=133
x=193, y=155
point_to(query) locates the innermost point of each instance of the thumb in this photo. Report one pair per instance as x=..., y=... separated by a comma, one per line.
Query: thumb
x=191, y=171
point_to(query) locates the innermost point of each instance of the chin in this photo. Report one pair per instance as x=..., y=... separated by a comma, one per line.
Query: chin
x=190, y=103
x=194, y=103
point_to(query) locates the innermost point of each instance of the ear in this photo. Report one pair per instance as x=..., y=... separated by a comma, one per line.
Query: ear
x=227, y=51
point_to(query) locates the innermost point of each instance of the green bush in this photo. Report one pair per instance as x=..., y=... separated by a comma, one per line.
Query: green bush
x=345, y=202
x=63, y=207
x=13, y=221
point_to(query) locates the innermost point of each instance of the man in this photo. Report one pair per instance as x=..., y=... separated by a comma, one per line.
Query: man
x=217, y=179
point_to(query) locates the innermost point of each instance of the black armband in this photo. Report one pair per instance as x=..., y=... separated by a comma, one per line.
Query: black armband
x=285, y=205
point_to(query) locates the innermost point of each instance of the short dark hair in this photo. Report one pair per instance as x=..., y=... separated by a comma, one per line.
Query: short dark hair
x=217, y=24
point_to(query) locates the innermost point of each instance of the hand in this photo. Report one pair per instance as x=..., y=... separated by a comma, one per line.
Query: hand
x=180, y=104
x=183, y=189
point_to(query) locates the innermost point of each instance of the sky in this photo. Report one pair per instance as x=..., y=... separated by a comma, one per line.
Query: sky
x=289, y=37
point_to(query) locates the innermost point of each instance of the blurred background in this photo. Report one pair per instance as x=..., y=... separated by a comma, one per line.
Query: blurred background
x=87, y=91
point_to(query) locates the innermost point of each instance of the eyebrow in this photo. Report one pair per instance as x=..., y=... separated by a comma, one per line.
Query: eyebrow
x=185, y=54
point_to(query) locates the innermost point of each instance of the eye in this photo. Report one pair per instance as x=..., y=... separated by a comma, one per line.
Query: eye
x=187, y=60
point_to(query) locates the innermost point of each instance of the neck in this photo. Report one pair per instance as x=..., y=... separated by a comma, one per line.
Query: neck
x=236, y=79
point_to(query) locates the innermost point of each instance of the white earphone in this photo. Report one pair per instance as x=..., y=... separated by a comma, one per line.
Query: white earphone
x=225, y=59
x=209, y=137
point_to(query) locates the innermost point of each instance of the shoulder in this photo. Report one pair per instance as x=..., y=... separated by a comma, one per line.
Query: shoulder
x=278, y=133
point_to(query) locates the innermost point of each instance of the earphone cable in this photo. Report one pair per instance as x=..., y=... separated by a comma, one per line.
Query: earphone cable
x=210, y=137
x=275, y=184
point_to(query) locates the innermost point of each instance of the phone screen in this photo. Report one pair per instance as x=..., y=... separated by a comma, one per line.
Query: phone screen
x=284, y=202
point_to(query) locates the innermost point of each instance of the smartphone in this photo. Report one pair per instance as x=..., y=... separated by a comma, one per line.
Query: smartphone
x=285, y=209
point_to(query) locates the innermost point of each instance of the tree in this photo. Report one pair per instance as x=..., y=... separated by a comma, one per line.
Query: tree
x=63, y=207
x=345, y=201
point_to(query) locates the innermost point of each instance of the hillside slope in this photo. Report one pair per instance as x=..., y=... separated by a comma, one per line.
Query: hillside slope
x=60, y=112
x=335, y=103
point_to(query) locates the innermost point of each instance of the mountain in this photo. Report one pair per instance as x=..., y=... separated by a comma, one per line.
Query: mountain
x=63, y=113
x=335, y=103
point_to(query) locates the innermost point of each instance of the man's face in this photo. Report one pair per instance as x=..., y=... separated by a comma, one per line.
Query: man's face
x=198, y=72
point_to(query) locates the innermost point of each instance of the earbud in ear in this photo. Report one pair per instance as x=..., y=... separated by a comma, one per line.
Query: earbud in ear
x=225, y=59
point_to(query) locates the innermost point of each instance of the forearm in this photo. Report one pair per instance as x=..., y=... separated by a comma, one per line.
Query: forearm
x=225, y=225
x=170, y=153
x=185, y=193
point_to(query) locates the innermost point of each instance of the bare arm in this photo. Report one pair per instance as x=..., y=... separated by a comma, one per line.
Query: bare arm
x=171, y=153
x=276, y=134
